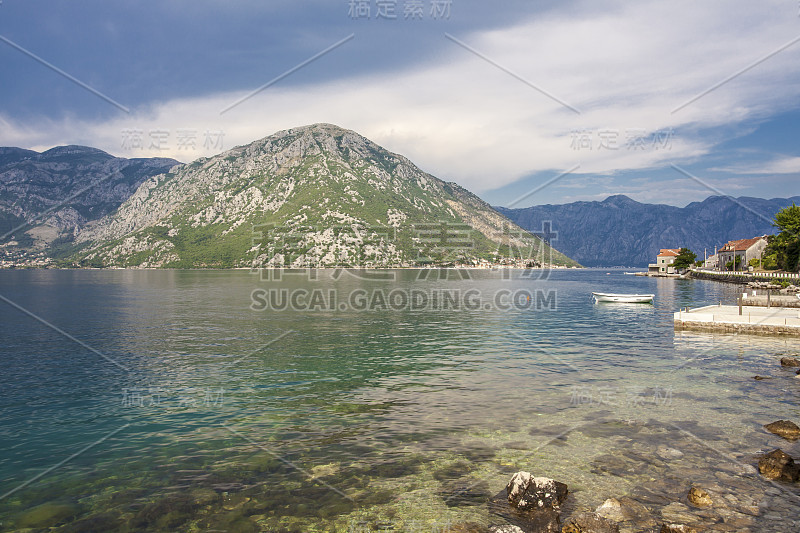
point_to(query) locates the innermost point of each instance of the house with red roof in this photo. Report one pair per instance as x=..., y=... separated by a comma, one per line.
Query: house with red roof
x=664, y=260
x=744, y=250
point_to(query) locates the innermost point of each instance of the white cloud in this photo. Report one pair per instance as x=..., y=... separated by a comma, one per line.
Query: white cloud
x=457, y=116
x=783, y=165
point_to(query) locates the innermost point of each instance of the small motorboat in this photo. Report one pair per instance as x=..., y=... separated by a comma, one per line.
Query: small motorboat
x=623, y=298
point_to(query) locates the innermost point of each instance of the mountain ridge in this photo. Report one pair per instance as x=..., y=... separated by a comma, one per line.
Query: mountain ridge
x=330, y=197
x=46, y=196
x=601, y=233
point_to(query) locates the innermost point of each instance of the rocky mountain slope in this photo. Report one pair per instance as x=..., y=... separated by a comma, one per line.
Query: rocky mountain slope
x=52, y=195
x=317, y=195
x=622, y=232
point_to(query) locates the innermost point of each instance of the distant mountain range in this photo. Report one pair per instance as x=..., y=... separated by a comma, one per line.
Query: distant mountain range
x=321, y=195
x=317, y=195
x=52, y=195
x=622, y=232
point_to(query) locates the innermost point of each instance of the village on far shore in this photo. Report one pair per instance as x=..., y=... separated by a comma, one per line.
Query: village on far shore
x=765, y=261
x=766, y=266
x=739, y=261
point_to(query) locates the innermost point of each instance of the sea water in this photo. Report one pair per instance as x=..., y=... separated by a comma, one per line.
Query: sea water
x=347, y=400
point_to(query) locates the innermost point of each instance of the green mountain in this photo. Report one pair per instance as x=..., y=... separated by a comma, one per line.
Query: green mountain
x=317, y=196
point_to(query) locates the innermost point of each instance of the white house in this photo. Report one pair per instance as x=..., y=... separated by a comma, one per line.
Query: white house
x=744, y=249
x=664, y=260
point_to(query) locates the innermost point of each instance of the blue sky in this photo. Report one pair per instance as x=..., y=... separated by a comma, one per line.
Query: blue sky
x=523, y=103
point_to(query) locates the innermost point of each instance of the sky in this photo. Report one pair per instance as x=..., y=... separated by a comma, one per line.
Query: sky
x=523, y=103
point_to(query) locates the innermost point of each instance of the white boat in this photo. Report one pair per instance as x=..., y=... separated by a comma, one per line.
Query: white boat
x=623, y=298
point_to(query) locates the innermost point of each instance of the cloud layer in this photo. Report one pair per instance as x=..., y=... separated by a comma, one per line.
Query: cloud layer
x=626, y=68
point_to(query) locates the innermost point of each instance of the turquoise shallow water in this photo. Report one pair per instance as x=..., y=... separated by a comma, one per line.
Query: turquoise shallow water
x=179, y=403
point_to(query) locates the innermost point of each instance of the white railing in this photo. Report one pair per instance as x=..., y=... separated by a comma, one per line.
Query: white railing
x=780, y=275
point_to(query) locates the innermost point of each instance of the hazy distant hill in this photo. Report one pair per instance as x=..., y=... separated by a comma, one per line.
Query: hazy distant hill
x=317, y=195
x=622, y=232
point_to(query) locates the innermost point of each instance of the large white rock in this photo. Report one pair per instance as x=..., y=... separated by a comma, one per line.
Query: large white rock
x=526, y=492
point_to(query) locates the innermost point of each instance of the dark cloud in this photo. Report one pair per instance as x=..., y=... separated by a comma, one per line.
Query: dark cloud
x=144, y=52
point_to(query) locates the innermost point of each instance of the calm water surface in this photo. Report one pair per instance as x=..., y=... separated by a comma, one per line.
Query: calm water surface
x=168, y=401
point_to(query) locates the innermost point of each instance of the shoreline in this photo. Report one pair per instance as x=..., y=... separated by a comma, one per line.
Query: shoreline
x=212, y=269
x=742, y=278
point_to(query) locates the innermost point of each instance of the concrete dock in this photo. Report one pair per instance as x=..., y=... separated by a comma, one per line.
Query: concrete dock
x=774, y=300
x=726, y=318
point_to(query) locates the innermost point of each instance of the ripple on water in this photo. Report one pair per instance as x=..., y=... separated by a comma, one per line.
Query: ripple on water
x=407, y=419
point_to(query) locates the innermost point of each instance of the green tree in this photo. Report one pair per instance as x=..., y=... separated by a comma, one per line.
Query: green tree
x=788, y=221
x=735, y=264
x=769, y=261
x=786, y=245
x=685, y=258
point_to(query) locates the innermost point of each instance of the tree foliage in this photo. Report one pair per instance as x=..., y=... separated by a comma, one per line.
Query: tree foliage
x=788, y=221
x=735, y=264
x=685, y=258
x=785, y=246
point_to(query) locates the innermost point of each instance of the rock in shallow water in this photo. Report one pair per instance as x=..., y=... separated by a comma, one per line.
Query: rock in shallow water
x=668, y=453
x=590, y=523
x=784, y=428
x=699, y=497
x=228, y=487
x=777, y=465
x=47, y=515
x=530, y=503
x=677, y=513
x=677, y=528
x=528, y=493
x=626, y=510
x=790, y=361
x=611, y=509
x=506, y=529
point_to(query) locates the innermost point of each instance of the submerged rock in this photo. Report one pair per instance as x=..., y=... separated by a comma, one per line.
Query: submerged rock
x=228, y=487
x=699, y=497
x=204, y=496
x=472, y=527
x=611, y=509
x=465, y=492
x=106, y=521
x=530, y=503
x=545, y=520
x=528, y=493
x=777, y=465
x=677, y=528
x=784, y=428
x=637, y=513
x=590, y=523
x=790, y=361
x=759, y=378
x=668, y=453
x=506, y=529
x=677, y=512
x=47, y=515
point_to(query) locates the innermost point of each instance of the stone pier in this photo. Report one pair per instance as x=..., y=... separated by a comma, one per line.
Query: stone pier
x=727, y=318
